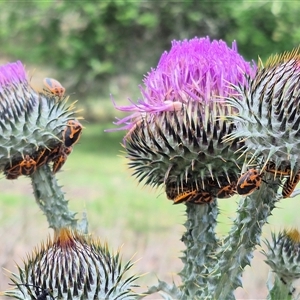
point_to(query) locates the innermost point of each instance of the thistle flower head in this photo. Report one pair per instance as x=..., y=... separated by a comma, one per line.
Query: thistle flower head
x=72, y=266
x=268, y=118
x=176, y=129
x=283, y=254
x=33, y=125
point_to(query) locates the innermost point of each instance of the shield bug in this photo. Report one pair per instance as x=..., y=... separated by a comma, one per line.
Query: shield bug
x=25, y=166
x=61, y=158
x=290, y=185
x=249, y=182
x=226, y=191
x=72, y=133
x=280, y=171
x=54, y=87
x=28, y=165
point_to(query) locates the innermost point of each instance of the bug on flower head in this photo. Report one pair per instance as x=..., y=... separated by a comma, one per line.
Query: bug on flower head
x=290, y=185
x=72, y=133
x=194, y=196
x=61, y=158
x=25, y=166
x=280, y=171
x=226, y=191
x=54, y=87
x=249, y=182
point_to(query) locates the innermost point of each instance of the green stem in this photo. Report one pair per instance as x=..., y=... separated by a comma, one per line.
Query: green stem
x=237, y=249
x=280, y=290
x=201, y=243
x=50, y=199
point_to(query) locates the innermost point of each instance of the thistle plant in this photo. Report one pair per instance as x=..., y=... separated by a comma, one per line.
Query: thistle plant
x=38, y=131
x=283, y=256
x=210, y=124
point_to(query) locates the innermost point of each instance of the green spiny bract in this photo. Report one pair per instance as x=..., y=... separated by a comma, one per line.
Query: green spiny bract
x=73, y=266
x=183, y=146
x=268, y=118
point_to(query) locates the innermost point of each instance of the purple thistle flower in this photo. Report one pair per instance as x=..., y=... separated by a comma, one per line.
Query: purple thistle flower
x=176, y=130
x=193, y=70
x=12, y=73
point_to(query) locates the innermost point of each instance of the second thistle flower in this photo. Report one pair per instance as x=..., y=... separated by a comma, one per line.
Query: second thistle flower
x=175, y=131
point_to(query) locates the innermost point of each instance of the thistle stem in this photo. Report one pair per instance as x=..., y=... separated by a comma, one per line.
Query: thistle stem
x=50, y=199
x=237, y=248
x=280, y=290
x=201, y=242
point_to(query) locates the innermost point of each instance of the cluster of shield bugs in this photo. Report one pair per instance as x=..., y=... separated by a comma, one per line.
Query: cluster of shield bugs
x=212, y=188
x=54, y=87
x=252, y=179
x=57, y=155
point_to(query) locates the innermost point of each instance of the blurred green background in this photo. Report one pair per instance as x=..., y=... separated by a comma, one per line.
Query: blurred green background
x=99, y=48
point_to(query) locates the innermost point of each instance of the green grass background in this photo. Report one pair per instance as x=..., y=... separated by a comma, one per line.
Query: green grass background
x=121, y=212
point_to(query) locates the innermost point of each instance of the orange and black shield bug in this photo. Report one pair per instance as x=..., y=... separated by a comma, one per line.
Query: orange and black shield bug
x=184, y=196
x=201, y=197
x=61, y=158
x=72, y=133
x=12, y=171
x=25, y=166
x=280, y=171
x=41, y=156
x=226, y=191
x=28, y=165
x=290, y=185
x=54, y=87
x=249, y=182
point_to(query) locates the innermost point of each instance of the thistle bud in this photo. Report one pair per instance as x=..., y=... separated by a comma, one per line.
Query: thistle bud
x=268, y=118
x=72, y=266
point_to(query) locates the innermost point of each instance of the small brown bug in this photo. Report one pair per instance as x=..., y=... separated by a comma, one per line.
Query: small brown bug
x=249, y=182
x=72, y=133
x=290, y=185
x=54, y=87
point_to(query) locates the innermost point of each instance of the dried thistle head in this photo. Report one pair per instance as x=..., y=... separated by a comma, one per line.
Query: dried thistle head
x=72, y=266
x=268, y=117
x=33, y=125
x=175, y=131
